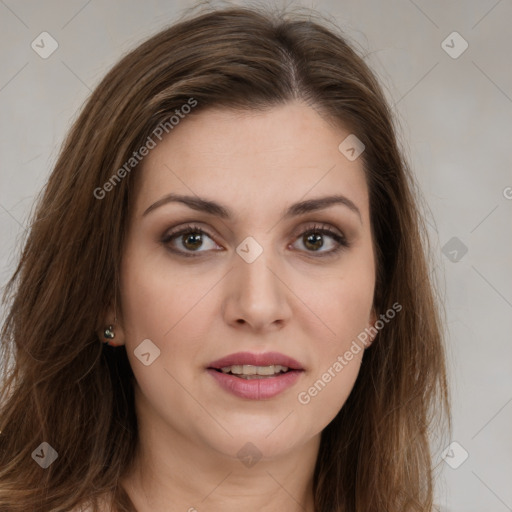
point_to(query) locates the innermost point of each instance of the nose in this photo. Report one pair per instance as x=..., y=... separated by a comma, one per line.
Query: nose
x=256, y=294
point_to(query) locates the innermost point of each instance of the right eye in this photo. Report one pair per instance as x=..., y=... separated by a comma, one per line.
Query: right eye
x=190, y=238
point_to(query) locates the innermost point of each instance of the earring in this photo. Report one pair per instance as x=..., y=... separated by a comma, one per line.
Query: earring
x=109, y=334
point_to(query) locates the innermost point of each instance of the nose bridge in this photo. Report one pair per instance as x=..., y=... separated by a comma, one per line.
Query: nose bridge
x=257, y=294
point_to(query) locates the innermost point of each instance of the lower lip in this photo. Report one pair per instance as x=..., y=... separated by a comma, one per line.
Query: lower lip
x=256, y=389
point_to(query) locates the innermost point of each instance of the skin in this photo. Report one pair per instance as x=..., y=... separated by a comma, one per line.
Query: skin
x=196, y=310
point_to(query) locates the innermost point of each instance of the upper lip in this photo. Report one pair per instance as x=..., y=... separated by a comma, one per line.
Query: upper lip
x=263, y=359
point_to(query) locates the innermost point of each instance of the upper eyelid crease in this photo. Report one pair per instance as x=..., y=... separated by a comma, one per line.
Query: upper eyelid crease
x=213, y=208
x=195, y=227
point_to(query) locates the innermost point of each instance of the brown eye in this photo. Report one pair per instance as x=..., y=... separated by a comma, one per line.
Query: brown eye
x=314, y=240
x=188, y=240
x=192, y=240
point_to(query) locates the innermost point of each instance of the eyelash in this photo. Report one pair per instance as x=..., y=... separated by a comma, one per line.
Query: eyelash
x=318, y=229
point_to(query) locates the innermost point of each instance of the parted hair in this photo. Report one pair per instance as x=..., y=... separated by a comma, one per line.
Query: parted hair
x=62, y=385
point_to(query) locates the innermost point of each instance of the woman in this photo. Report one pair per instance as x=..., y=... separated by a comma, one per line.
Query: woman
x=224, y=299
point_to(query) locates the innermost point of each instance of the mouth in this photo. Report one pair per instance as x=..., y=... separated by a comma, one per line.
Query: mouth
x=256, y=376
x=249, y=371
x=249, y=364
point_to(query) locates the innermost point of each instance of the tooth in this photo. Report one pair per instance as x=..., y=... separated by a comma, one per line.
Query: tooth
x=249, y=369
x=266, y=370
x=237, y=369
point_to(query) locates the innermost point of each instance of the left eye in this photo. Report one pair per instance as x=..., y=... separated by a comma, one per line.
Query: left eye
x=191, y=239
x=313, y=238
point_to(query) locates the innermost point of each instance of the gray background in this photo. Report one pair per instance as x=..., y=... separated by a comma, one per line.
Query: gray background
x=455, y=116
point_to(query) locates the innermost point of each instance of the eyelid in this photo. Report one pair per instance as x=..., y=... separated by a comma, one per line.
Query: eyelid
x=317, y=226
x=326, y=229
x=186, y=228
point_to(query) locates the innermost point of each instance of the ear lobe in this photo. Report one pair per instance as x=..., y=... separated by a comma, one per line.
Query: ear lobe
x=111, y=331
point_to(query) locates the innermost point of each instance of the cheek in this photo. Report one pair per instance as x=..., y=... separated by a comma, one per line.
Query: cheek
x=340, y=300
x=344, y=307
x=337, y=359
x=324, y=393
x=173, y=309
x=156, y=297
x=160, y=304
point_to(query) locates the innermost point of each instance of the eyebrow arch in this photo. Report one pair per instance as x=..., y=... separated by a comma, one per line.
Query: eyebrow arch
x=213, y=208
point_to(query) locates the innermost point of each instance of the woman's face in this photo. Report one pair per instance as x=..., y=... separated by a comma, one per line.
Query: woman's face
x=261, y=285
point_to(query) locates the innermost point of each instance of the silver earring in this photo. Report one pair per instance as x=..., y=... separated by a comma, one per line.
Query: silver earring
x=108, y=333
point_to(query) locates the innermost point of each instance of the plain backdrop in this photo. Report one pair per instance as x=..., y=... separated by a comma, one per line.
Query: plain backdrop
x=452, y=95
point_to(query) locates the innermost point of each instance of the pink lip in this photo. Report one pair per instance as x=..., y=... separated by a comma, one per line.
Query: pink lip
x=256, y=389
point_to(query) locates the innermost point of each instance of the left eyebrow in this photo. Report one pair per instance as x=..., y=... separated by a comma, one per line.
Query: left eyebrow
x=214, y=208
x=321, y=203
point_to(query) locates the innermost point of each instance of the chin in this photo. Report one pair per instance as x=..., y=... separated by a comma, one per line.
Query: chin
x=268, y=439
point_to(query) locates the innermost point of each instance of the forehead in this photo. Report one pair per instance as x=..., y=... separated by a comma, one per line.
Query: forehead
x=253, y=160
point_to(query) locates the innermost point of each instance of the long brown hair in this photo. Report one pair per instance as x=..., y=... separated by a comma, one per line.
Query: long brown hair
x=62, y=386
